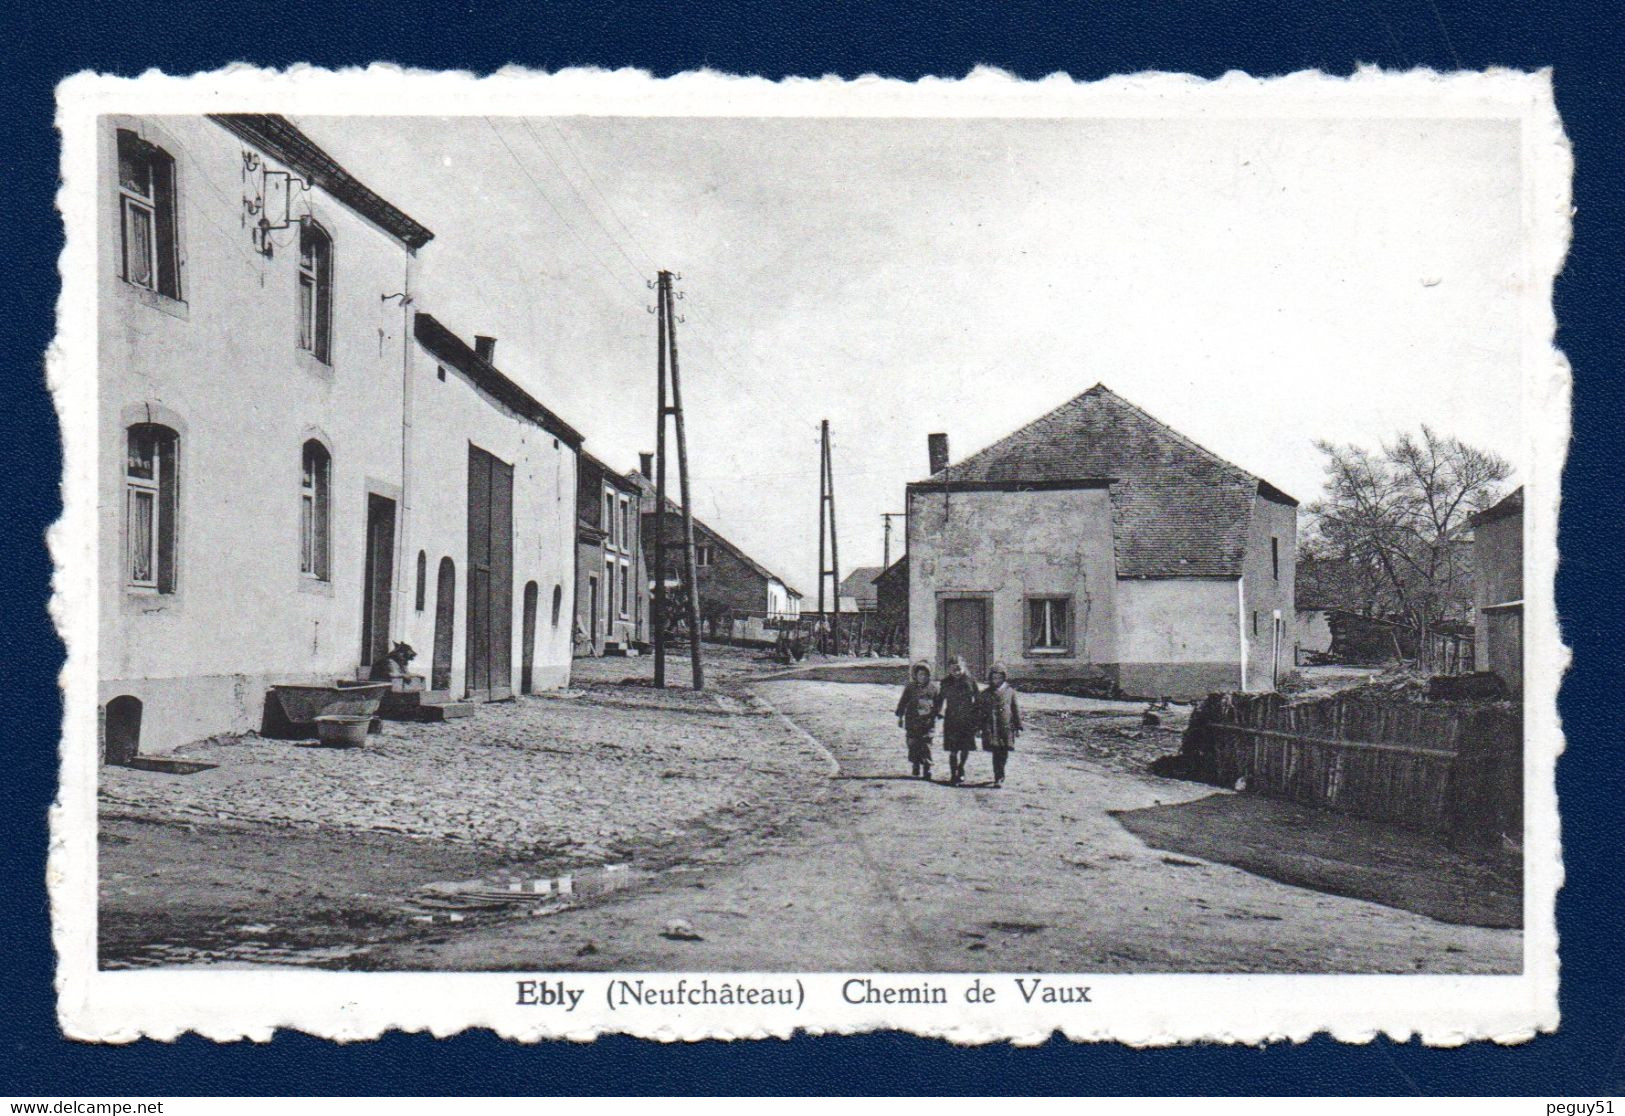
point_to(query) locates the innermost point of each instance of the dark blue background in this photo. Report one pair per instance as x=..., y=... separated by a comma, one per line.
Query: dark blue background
x=1580, y=39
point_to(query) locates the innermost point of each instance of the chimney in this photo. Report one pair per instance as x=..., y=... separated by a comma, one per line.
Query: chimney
x=646, y=465
x=937, y=447
x=485, y=348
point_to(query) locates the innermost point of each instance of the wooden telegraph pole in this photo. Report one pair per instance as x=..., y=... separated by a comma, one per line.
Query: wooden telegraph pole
x=887, y=517
x=682, y=475
x=660, y=488
x=826, y=521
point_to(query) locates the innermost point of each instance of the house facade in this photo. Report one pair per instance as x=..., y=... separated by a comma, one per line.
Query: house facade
x=1498, y=590
x=891, y=597
x=270, y=466
x=1097, y=545
x=612, y=583
x=730, y=582
x=857, y=590
x=489, y=536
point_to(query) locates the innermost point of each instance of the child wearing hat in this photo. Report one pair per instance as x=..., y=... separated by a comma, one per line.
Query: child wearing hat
x=917, y=715
x=1001, y=719
x=958, y=703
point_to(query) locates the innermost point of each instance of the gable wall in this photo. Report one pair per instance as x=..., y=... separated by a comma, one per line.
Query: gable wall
x=1010, y=545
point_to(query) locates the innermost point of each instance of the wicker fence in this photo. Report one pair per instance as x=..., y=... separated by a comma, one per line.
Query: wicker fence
x=1452, y=768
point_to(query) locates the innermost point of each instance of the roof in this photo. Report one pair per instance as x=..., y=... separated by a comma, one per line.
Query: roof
x=860, y=585
x=1178, y=510
x=283, y=141
x=898, y=568
x=447, y=347
x=717, y=538
x=623, y=482
x=1509, y=505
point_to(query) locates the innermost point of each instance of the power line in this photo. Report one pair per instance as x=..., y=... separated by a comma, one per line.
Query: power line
x=596, y=258
x=593, y=182
x=537, y=140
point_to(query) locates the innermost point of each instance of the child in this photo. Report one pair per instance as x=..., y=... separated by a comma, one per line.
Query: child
x=960, y=710
x=1001, y=719
x=916, y=715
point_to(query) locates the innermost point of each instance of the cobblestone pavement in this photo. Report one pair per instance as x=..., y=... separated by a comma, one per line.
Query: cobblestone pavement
x=581, y=775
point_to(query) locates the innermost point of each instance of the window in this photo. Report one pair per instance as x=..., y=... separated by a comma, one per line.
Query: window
x=1255, y=621
x=423, y=578
x=146, y=197
x=151, y=503
x=626, y=530
x=702, y=556
x=626, y=592
x=1049, y=625
x=609, y=591
x=315, y=479
x=609, y=519
x=315, y=291
x=558, y=603
x=1275, y=556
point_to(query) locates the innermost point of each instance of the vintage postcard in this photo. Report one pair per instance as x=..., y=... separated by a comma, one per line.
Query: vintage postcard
x=708, y=557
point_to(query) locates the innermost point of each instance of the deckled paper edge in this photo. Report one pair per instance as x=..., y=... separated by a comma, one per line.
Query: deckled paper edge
x=164, y=1005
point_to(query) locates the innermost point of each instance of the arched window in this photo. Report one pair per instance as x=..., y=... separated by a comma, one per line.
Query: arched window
x=149, y=254
x=315, y=482
x=423, y=577
x=315, y=291
x=558, y=603
x=151, y=504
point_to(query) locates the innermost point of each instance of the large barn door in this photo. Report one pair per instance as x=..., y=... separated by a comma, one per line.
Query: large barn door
x=490, y=577
x=965, y=630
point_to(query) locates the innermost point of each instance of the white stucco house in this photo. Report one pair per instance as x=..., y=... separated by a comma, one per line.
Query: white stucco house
x=292, y=453
x=1097, y=545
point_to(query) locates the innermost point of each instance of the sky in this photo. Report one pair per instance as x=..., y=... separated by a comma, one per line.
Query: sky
x=1256, y=284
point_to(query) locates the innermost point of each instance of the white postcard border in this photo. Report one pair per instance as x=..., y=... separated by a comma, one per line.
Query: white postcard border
x=1139, y=1009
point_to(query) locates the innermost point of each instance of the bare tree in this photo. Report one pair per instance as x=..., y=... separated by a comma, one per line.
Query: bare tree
x=1391, y=524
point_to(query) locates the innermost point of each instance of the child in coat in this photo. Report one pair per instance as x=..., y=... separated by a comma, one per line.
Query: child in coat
x=917, y=716
x=961, y=712
x=1001, y=719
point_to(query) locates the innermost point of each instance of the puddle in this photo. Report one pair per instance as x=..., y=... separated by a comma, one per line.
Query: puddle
x=459, y=900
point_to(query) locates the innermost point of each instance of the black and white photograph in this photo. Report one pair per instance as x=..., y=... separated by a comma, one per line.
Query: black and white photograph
x=729, y=563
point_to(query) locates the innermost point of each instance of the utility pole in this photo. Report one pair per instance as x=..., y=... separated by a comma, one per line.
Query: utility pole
x=688, y=506
x=660, y=489
x=887, y=517
x=826, y=521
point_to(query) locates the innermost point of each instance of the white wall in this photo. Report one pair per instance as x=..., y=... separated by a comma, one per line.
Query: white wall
x=1268, y=594
x=448, y=415
x=1012, y=545
x=223, y=367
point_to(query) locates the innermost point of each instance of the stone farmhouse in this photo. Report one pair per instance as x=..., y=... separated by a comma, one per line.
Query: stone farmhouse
x=1098, y=546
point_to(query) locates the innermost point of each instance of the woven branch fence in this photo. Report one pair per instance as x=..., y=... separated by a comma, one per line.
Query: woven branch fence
x=1452, y=768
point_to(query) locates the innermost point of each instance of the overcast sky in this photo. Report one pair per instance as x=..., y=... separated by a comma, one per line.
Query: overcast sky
x=1255, y=284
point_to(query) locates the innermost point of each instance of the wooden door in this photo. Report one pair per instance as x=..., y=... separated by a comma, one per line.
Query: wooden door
x=490, y=577
x=445, y=621
x=592, y=612
x=377, y=579
x=527, y=639
x=965, y=630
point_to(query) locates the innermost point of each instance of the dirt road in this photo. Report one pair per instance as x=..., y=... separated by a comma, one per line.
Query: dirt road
x=875, y=871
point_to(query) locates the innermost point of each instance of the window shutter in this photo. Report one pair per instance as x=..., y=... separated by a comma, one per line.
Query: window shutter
x=168, y=509
x=163, y=205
